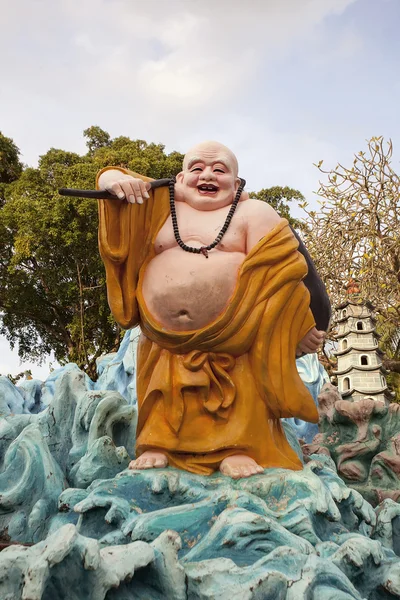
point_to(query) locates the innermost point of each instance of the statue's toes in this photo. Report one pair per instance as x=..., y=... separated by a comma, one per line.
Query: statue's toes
x=226, y=469
x=239, y=466
x=235, y=473
x=148, y=463
x=245, y=471
x=137, y=464
x=253, y=470
x=161, y=462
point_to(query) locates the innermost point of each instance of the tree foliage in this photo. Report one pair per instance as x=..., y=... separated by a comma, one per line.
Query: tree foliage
x=278, y=197
x=10, y=165
x=52, y=281
x=356, y=236
x=96, y=138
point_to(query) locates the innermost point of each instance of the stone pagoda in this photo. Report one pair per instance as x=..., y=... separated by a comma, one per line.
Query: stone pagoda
x=360, y=372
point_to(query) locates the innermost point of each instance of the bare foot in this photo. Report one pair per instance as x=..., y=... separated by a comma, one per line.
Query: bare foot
x=239, y=465
x=149, y=460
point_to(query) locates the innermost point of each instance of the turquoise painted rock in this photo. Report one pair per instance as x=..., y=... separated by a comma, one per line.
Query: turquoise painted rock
x=170, y=534
x=363, y=439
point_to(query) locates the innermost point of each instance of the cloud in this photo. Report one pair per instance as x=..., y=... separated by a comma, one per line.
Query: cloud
x=166, y=53
x=178, y=72
x=174, y=52
x=174, y=72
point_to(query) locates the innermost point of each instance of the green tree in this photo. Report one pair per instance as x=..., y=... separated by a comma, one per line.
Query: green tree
x=278, y=197
x=10, y=165
x=96, y=138
x=52, y=281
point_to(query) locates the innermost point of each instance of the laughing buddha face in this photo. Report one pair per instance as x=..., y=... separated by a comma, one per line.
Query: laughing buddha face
x=209, y=179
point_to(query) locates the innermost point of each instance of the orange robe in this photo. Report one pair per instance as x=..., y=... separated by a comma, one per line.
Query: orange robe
x=221, y=390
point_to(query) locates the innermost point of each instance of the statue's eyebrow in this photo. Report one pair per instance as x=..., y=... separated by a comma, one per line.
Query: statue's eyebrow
x=193, y=160
x=196, y=159
x=223, y=163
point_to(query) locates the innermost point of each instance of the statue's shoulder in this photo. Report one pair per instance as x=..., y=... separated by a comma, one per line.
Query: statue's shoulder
x=259, y=219
x=254, y=204
x=259, y=212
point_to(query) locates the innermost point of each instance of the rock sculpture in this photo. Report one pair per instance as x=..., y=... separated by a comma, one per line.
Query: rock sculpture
x=362, y=438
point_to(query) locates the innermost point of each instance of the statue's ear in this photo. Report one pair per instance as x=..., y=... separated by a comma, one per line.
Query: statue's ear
x=238, y=181
x=179, y=177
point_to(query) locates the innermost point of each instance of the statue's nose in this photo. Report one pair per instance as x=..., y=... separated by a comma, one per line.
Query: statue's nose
x=208, y=175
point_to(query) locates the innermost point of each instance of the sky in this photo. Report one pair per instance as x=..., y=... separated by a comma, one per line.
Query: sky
x=284, y=83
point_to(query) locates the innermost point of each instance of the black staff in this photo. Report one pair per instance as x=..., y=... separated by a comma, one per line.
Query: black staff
x=104, y=194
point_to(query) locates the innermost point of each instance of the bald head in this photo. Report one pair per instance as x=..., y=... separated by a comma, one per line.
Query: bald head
x=211, y=150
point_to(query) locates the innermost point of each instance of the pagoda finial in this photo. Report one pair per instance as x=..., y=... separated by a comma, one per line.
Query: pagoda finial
x=352, y=288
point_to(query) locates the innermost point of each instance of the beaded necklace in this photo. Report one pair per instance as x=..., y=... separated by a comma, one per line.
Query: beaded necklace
x=204, y=249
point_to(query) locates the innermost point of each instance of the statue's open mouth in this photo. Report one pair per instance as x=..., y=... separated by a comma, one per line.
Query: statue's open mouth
x=207, y=188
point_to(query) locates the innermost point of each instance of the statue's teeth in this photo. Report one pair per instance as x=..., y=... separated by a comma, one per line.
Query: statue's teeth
x=208, y=188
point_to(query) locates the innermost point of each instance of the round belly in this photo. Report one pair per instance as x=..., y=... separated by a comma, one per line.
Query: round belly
x=184, y=291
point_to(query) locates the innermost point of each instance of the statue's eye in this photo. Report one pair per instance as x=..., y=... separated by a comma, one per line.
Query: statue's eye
x=219, y=170
x=195, y=169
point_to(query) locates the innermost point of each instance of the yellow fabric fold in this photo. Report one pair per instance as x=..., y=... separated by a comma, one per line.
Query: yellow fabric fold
x=126, y=235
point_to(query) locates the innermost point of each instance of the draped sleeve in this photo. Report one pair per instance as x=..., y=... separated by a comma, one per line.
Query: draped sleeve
x=126, y=239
